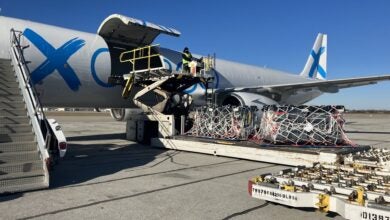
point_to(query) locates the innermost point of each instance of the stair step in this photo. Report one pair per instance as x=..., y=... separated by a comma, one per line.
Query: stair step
x=19, y=137
x=6, y=70
x=8, y=105
x=10, y=91
x=15, y=128
x=21, y=175
x=4, y=66
x=9, y=84
x=17, y=182
x=12, y=104
x=14, y=120
x=23, y=167
x=18, y=146
x=13, y=112
x=5, y=61
x=19, y=157
x=7, y=78
x=37, y=183
x=11, y=98
x=5, y=81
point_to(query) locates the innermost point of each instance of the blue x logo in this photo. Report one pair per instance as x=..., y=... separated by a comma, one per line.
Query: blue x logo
x=316, y=65
x=57, y=59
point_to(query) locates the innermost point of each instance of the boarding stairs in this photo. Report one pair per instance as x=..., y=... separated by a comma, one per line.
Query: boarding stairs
x=24, y=131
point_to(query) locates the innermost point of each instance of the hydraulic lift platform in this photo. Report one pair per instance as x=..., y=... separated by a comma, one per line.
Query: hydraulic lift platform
x=352, y=181
x=173, y=103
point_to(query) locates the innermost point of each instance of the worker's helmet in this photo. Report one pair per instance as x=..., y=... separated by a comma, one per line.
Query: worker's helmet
x=185, y=49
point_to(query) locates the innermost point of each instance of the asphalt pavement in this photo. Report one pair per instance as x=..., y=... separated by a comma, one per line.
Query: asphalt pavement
x=104, y=176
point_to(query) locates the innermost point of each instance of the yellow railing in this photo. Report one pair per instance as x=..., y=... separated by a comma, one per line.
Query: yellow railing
x=140, y=53
x=128, y=86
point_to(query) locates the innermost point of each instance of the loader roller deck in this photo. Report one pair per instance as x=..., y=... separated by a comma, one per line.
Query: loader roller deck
x=346, y=149
x=279, y=154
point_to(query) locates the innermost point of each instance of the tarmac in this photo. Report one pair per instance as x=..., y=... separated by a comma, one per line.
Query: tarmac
x=104, y=176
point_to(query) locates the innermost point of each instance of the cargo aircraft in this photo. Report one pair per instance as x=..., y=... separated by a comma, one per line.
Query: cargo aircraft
x=71, y=68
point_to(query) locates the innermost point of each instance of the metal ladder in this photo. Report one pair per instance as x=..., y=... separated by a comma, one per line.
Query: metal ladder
x=210, y=95
x=209, y=75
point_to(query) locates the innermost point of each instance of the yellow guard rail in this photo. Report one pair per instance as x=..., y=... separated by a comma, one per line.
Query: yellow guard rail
x=139, y=54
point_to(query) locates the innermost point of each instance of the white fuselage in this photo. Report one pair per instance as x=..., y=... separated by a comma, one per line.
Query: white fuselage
x=70, y=68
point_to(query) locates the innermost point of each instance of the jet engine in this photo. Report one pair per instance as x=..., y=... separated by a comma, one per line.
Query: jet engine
x=246, y=98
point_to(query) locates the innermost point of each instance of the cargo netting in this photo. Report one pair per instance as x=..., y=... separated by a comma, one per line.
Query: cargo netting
x=224, y=122
x=292, y=125
x=304, y=125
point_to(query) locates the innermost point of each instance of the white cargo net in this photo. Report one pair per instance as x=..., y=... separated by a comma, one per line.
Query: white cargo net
x=292, y=125
x=224, y=122
x=304, y=125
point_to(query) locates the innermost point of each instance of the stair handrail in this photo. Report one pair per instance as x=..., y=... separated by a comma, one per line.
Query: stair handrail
x=30, y=95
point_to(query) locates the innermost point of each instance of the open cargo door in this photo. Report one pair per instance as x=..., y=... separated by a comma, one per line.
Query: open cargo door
x=132, y=32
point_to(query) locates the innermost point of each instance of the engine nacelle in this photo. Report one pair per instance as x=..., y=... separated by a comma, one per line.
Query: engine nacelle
x=248, y=99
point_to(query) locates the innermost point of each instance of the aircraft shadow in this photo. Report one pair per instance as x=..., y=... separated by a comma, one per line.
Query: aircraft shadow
x=84, y=162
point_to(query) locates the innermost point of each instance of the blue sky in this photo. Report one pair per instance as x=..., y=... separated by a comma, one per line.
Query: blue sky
x=274, y=33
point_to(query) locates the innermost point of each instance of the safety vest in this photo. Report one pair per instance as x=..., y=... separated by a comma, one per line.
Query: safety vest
x=186, y=61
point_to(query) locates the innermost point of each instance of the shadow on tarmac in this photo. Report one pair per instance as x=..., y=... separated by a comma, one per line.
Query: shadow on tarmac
x=87, y=161
x=9, y=196
x=367, y=132
x=98, y=137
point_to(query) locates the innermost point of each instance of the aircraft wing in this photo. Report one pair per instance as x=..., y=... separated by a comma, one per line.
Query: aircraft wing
x=329, y=86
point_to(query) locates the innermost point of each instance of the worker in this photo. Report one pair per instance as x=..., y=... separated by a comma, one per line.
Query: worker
x=186, y=59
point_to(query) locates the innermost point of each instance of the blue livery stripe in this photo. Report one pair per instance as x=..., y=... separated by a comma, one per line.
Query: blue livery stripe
x=216, y=79
x=93, y=70
x=56, y=59
x=191, y=89
x=169, y=64
x=321, y=71
x=316, y=59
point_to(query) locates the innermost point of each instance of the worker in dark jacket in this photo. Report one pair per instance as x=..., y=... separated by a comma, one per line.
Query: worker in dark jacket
x=186, y=59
